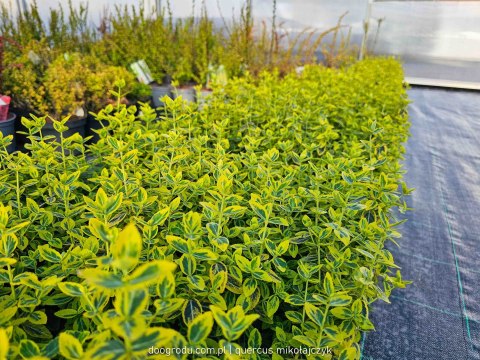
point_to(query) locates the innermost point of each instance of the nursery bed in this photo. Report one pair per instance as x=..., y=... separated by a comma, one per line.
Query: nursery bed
x=438, y=316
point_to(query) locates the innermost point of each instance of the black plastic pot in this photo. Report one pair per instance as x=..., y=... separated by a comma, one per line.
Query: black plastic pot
x=21, y=139
x=7, y=127
x=75, y=125
x=93, y=124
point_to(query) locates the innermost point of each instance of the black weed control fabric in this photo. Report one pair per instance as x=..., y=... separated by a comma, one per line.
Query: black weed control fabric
x=438, y=316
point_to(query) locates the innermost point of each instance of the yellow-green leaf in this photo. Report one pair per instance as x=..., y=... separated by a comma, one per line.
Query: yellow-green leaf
x=259, y=209
x=328, y=284
x=69, y=346
x=28, y=349
x=49, y=254
x=160, y=217
x=9, y=243
x=100, y=230
x=314, y=313
x=159, y=337
x=7, y=314
x=72, y=289
x=4, y=344
x=127, y=248
x=37, y=317
x=191, y=309
x=224, y=185
x=249, y=286
x=283, y=247
x=221, y=243
x=102, y=279
x=200, y=327
x=197, y=282
x=149, y=273
x=178, y=243
x=110, y=350
x=192, y=225
x=131, y=303
x=166, y=286
x=113, y=204
x=348, y=354
x=204, y=254
x=7, y=261
x=234, y=322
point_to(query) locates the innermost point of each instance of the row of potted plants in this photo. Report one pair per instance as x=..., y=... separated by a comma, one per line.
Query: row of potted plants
x=178, y=49
x=63, y=66
x=41, y=80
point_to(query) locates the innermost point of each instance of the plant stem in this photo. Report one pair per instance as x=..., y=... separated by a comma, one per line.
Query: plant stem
x=305, y=300
x=19, y=204
x=65, y=203
x=124, y=173
x=220, y=215
x=262, y=240
x=323, y=323
x=63, y=153
x=10, y=276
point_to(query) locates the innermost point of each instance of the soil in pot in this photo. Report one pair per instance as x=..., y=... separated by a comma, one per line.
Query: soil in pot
x=7, y=127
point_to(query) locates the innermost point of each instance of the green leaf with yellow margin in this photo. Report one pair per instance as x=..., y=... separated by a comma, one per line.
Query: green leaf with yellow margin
x=69, y=346
x=200, y=327
x=127, y=248
x=7, y=261
x=314, y=313
x=28, y=349
x=101, y=278
x=131, y=303
x=157, y=336
x=72, y=289
x=149, y=273
x=234, y=322
x=49, y=254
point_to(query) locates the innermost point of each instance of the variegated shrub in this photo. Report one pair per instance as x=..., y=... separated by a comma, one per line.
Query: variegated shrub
x=258, y=221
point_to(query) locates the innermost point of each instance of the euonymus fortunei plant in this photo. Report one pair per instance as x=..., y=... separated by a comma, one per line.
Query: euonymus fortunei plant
x=258, y=221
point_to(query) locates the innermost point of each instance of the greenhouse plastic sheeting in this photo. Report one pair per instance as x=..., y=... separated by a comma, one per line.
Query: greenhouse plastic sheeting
x=438, y=315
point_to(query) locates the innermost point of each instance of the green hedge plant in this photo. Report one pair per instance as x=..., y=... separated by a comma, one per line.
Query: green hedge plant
x=258, y=222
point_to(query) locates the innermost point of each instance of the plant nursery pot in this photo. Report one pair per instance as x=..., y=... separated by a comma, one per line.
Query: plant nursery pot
x=75, y=125
x=187, y=93
x=21, y=139
x=158, y=92
x=7, y=127
x=202, y=97
x=91, y=125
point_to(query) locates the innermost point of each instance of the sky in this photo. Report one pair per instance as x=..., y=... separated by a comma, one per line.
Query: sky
x=438, y=29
